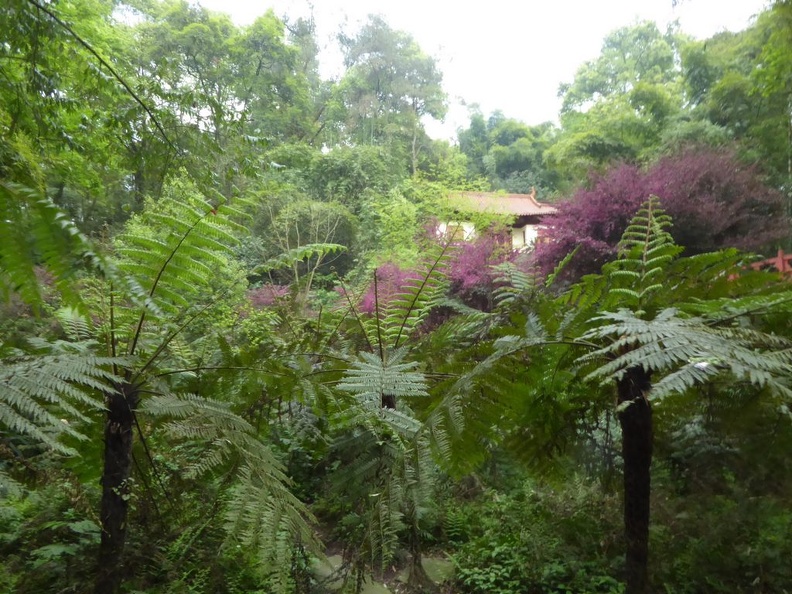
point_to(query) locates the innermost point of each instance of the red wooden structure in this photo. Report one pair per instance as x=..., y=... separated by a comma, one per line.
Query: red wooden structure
x=782, y=262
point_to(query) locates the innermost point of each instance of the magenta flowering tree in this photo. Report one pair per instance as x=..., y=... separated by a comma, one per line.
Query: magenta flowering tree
x=391, y=279
x=267, y=295
x=471, y=270
x=714, y=200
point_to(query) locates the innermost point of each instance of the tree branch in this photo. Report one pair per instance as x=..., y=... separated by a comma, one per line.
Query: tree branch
x=107, y=65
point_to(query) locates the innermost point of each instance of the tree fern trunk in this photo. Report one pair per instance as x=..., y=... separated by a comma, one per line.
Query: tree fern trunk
x=115, y=487
x=417, y=577
x=635, y=417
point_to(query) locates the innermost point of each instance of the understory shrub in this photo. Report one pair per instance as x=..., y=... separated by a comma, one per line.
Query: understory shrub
x=720, y=544
x=539, y=540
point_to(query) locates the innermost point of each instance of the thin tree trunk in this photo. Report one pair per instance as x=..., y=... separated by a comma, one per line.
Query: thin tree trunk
x=415, y=149
x=635, y=417
x=139, y=188
x=115, y=487
x=417, y=577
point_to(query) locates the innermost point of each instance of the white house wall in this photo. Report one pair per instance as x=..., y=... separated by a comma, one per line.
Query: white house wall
x=524, y=237
x=466, y=229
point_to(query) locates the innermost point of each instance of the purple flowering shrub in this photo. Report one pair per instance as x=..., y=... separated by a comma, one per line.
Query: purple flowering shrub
x=471, y=271
x=390, y=281
x=714, y=200
x=267, y=295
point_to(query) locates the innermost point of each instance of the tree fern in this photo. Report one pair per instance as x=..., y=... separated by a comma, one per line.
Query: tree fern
x=675, y=339
x=385, y=474
x=176, y=250
x=690, y=349
x=646, y=340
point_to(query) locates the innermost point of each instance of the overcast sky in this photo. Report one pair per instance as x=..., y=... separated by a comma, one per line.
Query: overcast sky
x=501, y=54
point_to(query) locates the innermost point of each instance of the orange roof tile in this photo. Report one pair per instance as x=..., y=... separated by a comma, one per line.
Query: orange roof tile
x=497, y=203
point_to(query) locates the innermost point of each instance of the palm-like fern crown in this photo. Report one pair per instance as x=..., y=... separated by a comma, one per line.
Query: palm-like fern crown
x=685, y=349
x=174, y=251
x=645, y=251
x=372, y=378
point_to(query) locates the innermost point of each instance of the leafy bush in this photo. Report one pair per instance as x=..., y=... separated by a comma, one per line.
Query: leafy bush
x=46, y=537
x=538, y=540
x=721, y=543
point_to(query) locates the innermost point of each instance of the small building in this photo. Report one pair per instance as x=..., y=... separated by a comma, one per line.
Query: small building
x=527, y=213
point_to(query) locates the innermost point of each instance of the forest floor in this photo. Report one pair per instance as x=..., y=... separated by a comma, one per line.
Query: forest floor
x=439, y=569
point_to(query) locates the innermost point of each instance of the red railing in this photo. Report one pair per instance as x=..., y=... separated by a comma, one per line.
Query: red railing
x=782, y=262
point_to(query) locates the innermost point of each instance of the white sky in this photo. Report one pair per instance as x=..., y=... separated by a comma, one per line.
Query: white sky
x=501, y=54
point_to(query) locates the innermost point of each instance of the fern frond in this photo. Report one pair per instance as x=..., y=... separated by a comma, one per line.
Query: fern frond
x=690, y=350
x=551, y=278
x=408, y=309
x=263, y=516
x=173, y=251
x=511, y=283
x=76, y=326
x=261, y=513
x=43, y=396
x=471, y=408
x=460, y=331
x=299, y=254
x=36, y=233
x=9, y=488
x=372, y=379
x=645, y=252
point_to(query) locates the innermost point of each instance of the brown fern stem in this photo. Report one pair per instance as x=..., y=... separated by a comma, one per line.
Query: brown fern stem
x=635, y=417
x=116, y=487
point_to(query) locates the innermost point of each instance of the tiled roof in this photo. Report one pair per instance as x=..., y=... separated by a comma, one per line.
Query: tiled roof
x=497, y=203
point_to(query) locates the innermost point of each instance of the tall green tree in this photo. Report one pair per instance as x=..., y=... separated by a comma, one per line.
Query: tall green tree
x=619, y=103
x=65, y=66
x=509, y=153
x=389, y=86
x=739, y=82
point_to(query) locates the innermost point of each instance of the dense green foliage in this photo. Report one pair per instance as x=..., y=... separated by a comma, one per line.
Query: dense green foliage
x=236, y=356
